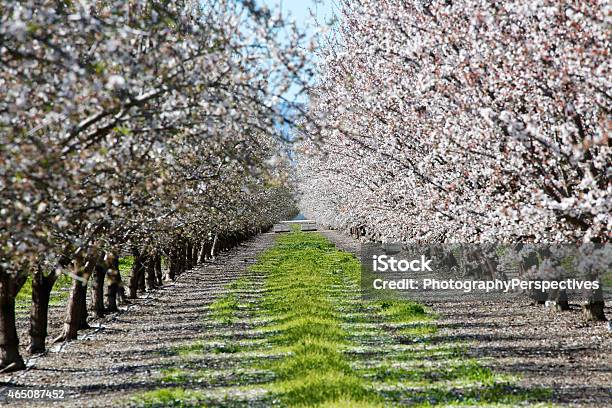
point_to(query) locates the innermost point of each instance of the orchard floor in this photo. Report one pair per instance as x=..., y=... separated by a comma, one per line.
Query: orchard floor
x=124, y=353
x=556, y=350
x=225, y=334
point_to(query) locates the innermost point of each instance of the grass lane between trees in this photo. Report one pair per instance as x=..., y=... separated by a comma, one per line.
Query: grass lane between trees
x=295, y=332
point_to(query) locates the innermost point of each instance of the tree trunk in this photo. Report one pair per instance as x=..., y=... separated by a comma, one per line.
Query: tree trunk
x=82, y=305
x=558, y=299
x=113, y=285
x=594, y=311
x=121, y=297
x=142, y=287
x=525, y=266
x=137, y=268
x=214, y=247
x=562, y=300
x=158, y=269
x=97, y=289
x=151, y=282
x=188, y=255
x=41, y=292
x=203, y=252
x=172, y=264
x=10, y=359
x=76, y=310
x=71, y=322
x=115, y=292
x=181, y=259
x=593, y=307
x=194, y=255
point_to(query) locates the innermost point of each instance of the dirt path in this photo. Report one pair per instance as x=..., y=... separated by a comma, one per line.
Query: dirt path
x=128, y=350
x=548, y=349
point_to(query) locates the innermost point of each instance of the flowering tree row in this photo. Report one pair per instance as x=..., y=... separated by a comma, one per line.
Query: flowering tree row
x=464, y=121
x=147, y=127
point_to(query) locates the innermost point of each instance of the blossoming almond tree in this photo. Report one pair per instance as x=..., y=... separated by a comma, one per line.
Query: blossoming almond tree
x=465, y=121
x=141, y=125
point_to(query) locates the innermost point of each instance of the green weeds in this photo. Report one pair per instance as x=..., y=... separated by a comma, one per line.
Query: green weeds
x=59, y=293
x=301, y=269
x=224, y=309
x=125, y=266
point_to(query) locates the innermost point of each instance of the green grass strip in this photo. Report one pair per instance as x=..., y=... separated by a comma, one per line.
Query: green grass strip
x=301, y=269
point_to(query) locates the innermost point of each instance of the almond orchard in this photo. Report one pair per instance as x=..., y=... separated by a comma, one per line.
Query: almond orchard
x=140, y=125
x=465, y=122
x=154, y=154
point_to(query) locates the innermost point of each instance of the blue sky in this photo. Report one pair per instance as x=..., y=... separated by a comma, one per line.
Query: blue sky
x=299, y=9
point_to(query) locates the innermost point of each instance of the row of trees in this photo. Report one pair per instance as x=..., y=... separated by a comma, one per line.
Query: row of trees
x=464, y=121
x=141, y=126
